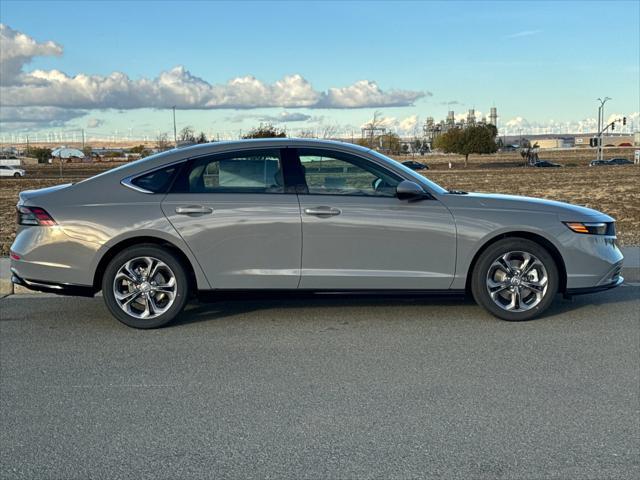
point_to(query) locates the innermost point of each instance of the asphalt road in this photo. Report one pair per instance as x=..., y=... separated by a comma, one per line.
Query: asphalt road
x=319, y=388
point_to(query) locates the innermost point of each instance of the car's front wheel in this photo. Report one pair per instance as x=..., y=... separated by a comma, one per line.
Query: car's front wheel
x=515, y=279
x=16, y=175
x=145, y=286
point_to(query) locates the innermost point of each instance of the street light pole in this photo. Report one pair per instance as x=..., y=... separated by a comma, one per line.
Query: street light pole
x=175, y=133
x=601, y=125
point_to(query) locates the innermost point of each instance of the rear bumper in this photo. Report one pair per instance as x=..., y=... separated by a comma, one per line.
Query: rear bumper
x=49, y=287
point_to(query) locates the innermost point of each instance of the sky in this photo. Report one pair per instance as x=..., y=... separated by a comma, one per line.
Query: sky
x=117, y=67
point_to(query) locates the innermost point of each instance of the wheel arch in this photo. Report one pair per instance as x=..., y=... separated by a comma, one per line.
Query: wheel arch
x=534, y=237
x=121, y=245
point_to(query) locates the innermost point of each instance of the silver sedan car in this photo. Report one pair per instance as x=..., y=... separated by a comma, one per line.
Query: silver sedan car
x=300, y=215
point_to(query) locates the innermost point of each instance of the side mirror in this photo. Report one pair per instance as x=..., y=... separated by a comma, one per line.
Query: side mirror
x=407, y=190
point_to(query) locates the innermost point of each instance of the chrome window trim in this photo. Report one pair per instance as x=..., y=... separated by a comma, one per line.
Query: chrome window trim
x=127, y=183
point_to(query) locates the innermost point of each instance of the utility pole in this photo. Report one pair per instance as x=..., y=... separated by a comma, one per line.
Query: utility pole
x=601, y=125
x=82, y=140
x=175, y=132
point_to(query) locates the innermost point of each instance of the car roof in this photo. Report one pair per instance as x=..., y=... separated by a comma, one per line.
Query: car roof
x=270, y=142
x=181, y=153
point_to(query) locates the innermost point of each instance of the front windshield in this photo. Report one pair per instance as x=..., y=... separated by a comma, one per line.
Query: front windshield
x=421, y=180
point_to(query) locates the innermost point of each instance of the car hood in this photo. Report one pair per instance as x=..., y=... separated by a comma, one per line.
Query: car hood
x=566, y=211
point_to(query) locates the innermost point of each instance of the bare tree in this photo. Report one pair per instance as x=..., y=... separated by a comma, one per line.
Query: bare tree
x=307, y=134
x=187, y=135
x=162, y=142
x=329, y=131
x=201, y=138
x=373, y=128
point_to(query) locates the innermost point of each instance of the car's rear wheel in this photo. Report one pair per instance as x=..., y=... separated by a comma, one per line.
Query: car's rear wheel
x=145, y=286
x=515, y=279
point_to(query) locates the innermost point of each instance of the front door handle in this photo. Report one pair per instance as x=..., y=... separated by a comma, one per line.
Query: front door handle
x=193, y=209
x=322, y=211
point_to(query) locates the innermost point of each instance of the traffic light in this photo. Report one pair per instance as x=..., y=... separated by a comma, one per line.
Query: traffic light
x=593, y=142
x=624, y=120
x=613, y=126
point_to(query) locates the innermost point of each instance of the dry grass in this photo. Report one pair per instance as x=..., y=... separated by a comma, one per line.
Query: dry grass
x=613, y=190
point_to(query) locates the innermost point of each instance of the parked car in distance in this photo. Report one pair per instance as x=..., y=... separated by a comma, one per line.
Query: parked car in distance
x=413, y=165
x=546, y=164
x=234, y=216
x=613, y=161
x=619, y=161
x=10, y=171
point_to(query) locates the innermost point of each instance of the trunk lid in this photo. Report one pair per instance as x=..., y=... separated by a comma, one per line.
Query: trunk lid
x=27, y=196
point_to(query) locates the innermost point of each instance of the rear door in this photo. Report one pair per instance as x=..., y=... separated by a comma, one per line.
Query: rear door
x=358, y=235
x=238, y=218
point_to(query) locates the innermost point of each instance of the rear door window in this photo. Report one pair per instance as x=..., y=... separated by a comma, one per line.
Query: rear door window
x=252, y=171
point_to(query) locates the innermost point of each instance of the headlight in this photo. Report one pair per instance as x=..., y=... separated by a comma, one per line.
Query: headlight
x=597, y=228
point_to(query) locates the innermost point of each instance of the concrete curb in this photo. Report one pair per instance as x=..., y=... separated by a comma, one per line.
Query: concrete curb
x=630, y=272
x=6, y=287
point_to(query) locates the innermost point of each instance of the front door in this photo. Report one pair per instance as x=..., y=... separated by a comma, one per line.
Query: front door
x=234, y=214
x=358, y=235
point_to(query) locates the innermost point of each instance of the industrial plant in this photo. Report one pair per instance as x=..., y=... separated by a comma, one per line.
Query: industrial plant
x=432, y=129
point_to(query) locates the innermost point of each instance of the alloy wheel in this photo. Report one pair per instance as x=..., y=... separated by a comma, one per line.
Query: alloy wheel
x=145, y=287
x=517, y=281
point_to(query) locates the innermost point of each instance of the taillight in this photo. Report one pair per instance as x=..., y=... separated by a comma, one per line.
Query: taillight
x=34, y=216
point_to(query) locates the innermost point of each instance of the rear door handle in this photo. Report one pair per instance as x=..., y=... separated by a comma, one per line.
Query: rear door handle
x=193, y=209
x=322, y=211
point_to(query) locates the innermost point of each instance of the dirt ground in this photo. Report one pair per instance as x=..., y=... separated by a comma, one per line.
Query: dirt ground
x=613, y=190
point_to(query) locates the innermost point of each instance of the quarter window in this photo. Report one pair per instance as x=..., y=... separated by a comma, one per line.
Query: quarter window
x=337, y=173
x=256, y=171
x=157, y=181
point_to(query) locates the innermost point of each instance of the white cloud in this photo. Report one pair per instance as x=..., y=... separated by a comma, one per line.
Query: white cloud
x=407, y=126
x=94, y=122
x=286, y=117
x=176, y=87
x=17, y=50
x=520, y=125
x=282, y=117
x=29, y=118
x=523, y=33
x=366, y=93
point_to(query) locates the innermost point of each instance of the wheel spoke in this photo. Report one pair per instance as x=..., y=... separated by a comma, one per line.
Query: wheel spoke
x=504, y=263
x=512, y=304
x=127, y=276
x=127, y=271
x=526, y=258
x=535, y=286
x=531, y=266
x=496, y=287
x=127, y=297
x=153, y=269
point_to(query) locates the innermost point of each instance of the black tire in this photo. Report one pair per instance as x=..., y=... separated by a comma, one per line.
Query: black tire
x=16, y=175
x=165, y=256
x=481, y=270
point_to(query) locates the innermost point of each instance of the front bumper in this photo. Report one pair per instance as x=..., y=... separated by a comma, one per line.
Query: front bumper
x=50, y=287
x=599, y=288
